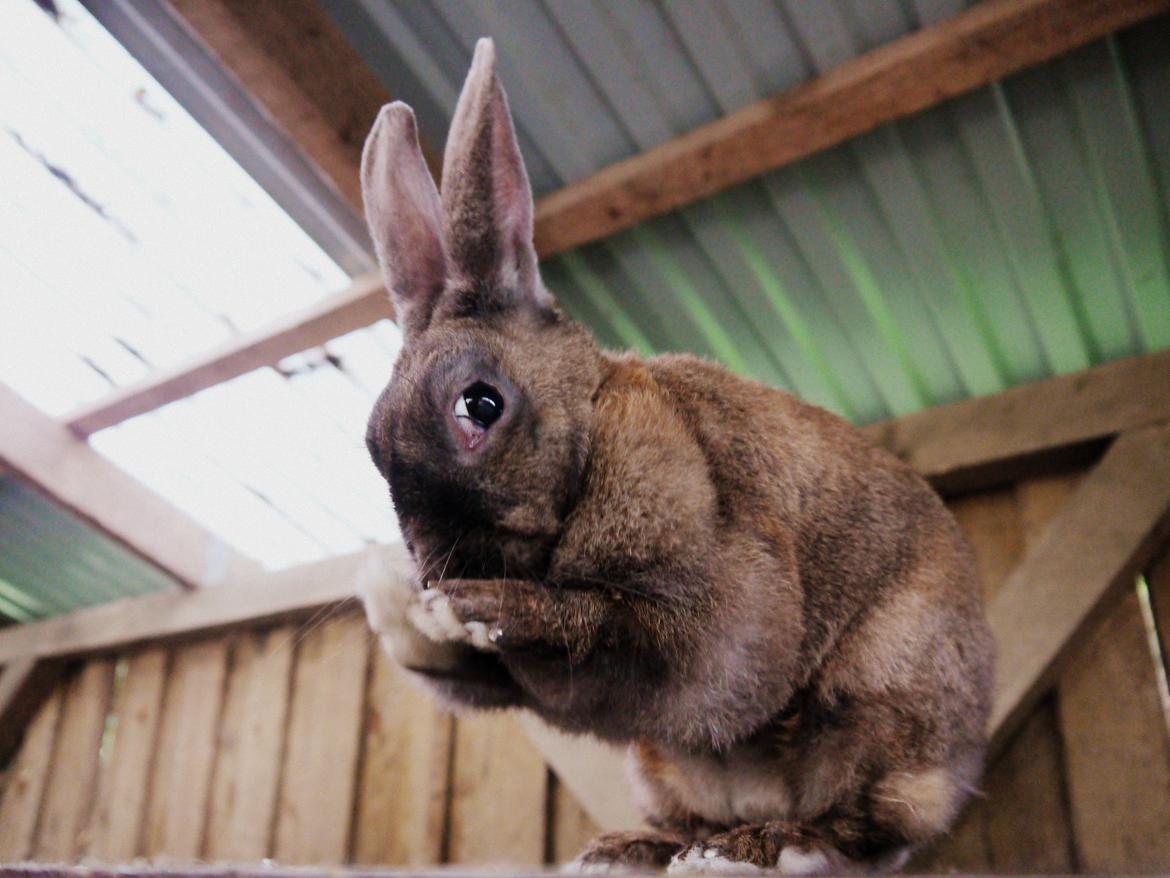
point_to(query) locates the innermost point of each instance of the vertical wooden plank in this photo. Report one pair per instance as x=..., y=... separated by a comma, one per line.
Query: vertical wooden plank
x=26, y=781
x=572, y=827
x=177, y=804
x=116, y=831
x=1027, y=821
x=69, y=794
x=320, y=764
x=498, y=793
x=405, y=772
x=1158, y=580
x=251, y=742
x=991, y=520
x=1116, y=747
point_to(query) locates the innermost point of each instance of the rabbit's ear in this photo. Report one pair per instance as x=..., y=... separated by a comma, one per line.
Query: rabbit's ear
x=405, y=215
x=487, y=201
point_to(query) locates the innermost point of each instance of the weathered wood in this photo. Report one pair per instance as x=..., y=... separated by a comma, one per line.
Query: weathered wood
x=177, y=805
x=363, y=303
x=572, y=827
x=296, y=65
x=69, y=793
x=405, y=772
x=321, y=754
x=991, y=521
x=498, y=793
x=24, y=684
x=116, y=831
x=249, y=747
x=49, y=456
x=981, y=442
x=1158, y=581
x=592, y=771
x=1094, y=547
x=1026, y=818
x=296, y=593
x=1116, y=746
x=988, y=41
x=25, y=785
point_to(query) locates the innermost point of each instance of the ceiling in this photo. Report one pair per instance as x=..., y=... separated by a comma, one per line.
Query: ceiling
x=1011, y=234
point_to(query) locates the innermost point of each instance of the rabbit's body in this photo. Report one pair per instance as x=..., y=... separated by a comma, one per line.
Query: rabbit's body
x=781, y=620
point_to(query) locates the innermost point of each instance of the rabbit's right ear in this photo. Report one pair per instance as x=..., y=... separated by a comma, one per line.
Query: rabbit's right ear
x=405, y=216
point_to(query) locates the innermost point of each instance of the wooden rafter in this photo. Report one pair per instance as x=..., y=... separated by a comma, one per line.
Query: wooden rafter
x=363, y=303
x=305, y=75
x=301, y=70
x=989, y=41
x=48, y=456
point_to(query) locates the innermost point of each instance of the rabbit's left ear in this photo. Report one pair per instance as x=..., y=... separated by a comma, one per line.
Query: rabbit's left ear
x=487, y=201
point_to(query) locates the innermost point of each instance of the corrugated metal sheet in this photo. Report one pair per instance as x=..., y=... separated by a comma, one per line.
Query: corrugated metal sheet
x=1014, y=233
x=50, y=562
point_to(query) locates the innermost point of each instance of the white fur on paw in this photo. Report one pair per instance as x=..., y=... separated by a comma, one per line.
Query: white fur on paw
x=579, y=867
x=431, y=614
x=802, y=861
x=385, y=584
x=708, y=861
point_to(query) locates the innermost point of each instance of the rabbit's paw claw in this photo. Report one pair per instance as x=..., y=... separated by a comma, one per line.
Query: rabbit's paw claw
x=433, y=615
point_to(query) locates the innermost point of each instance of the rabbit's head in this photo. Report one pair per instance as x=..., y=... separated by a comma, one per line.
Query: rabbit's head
x=482, y=432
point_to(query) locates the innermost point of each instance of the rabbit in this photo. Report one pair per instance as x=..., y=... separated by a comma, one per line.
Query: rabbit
x=781, y=622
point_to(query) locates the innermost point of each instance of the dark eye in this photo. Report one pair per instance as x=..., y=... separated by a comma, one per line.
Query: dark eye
x=480, y=404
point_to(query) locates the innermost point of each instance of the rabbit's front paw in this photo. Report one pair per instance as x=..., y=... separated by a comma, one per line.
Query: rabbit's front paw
x=433, y=614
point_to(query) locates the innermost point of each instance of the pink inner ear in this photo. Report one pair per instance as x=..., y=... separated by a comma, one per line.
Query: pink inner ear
x=403, y=211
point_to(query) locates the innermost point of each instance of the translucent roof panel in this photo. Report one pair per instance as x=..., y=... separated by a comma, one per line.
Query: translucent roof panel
x=131, y=241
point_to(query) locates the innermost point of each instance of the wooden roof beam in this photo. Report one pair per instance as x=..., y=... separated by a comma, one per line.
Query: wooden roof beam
x=47, y=455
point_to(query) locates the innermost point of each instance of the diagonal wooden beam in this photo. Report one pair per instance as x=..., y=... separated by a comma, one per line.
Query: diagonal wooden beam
x=362, y=303
x=989, y=41
x=47, y=455
x=1111, y=528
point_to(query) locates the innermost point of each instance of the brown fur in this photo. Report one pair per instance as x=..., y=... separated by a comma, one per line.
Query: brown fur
x=783, y=620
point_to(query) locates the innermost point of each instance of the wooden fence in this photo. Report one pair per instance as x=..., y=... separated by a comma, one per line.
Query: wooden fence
x=301, y=744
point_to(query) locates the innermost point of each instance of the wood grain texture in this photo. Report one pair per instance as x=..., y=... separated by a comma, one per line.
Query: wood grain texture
x=1116, y=746
x=572, y=827
x=986, y=42
x=50, y=457
x=69, y=792
x=25, y=784
x=1027, y=824
x=498, y=794
x=405, y=772
x=176, y=808
x=991, y=521
x=980, y=442
x=299, y=68
x=321, y=756
x=363, y=303
x=249, y=747
x=1108, y=531
x=1158, y=580
x=115, y=833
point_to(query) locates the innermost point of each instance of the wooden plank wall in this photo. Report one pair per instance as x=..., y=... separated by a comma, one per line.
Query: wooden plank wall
x=301, y=743
x=297, y=743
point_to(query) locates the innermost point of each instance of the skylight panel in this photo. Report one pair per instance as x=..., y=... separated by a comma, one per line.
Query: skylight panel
x=130, y=242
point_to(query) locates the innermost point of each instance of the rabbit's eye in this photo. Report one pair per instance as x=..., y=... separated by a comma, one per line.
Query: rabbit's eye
x=477, y=408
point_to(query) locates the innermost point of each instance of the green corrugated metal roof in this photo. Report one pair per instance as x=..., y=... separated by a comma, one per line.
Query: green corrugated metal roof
x=51, y=562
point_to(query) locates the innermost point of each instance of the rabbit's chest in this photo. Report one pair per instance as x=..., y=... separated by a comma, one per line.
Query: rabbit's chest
x=737, y=789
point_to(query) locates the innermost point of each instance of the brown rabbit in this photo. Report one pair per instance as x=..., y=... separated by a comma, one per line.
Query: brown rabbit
x=780, y=620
